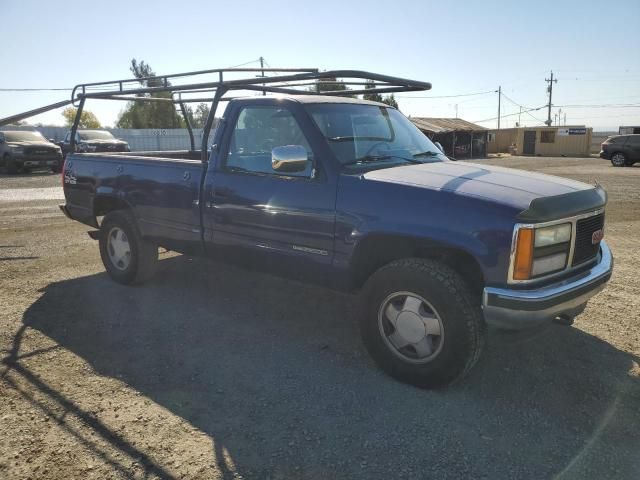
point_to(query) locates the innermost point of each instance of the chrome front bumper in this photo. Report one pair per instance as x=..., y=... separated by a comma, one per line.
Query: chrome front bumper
x=520, y=309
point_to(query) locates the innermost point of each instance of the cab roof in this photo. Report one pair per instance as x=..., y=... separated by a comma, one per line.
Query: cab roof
x=314, y=99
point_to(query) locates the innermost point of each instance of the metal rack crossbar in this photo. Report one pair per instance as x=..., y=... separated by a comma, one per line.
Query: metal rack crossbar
x=287, y=81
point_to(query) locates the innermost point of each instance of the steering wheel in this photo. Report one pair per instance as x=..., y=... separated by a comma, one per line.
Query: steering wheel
x=375, y=145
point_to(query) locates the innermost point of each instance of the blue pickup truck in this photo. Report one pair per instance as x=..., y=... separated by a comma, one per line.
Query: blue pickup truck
x=349, y=193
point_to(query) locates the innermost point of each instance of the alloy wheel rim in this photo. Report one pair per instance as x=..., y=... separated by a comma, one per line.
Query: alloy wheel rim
x=411, y=327
x=618, y=159
x=118, y=248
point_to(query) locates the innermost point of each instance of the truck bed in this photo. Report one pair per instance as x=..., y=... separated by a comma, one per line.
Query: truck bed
x=162, y=191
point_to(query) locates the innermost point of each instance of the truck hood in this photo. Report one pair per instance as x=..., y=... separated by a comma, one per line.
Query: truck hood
x=523, y=190
x=33, y=144
x=103, y=142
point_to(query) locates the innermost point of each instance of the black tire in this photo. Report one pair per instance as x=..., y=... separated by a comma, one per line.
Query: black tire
x=56, y=168
x=619, y=159
x=459, y=312
x=10, y=165
x=143, y=257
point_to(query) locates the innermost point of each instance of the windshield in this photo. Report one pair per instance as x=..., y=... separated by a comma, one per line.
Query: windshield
x=24, y=137
x=372, y=134
x=95, y=135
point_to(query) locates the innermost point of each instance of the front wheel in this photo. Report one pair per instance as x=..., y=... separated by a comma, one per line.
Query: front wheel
x=10, y=165
x=421, y=323
x=127, y=257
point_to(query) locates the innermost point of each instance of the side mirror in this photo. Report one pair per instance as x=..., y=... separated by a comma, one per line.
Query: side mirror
x=439, y=145
x=52, y=140
x=289, y=158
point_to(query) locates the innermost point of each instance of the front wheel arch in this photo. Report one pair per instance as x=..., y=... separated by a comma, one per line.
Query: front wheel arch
x=377, y=250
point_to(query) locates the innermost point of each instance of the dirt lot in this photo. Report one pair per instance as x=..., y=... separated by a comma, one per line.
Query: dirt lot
x=210, y=371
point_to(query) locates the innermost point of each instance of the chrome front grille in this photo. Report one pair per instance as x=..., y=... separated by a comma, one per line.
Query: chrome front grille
x=585, y=249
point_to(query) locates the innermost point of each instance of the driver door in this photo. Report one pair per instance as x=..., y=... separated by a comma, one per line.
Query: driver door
x=283, y=217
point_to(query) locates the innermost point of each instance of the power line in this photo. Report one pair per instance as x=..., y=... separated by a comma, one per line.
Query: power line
x=448, y=96
x=604, y=105
x=245, y=63
x=510, y=114
x=34, y=89
x=526, y=109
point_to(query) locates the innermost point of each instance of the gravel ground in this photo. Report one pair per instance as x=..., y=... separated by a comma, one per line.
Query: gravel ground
x=210, y=371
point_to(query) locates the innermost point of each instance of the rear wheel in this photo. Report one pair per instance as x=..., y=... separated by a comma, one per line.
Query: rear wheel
x=127, y=257
x=618, y=159
x=421, y=323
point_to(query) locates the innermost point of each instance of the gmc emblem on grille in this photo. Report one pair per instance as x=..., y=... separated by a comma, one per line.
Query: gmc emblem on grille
x=597, y=236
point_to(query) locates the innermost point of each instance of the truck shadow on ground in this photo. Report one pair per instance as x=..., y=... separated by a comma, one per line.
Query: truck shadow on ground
x=274, y=373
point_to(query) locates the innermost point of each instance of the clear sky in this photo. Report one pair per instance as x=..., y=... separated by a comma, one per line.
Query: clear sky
x=461, y=47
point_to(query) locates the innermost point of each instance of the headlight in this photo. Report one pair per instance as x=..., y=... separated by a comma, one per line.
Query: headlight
x=87, y=148
x=549, y=263
x=552, y=235
x=541, y=251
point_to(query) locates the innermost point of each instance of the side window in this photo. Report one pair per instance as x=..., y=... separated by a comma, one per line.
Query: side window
x=257, y=131
x=547, y=136
x=67, y=137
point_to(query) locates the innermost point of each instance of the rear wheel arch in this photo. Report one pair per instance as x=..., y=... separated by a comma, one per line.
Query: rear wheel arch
x=105, y=204
x=377, y=250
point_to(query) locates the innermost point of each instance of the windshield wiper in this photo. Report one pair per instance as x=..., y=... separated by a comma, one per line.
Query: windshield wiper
x=376, y=158
x=426, y=154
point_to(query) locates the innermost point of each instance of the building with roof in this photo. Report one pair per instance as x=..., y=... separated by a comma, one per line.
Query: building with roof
x=459, y=138
x=570, y=141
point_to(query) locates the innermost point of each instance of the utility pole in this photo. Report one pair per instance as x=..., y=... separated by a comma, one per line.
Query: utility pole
x=519, y=115
x=499, y=98
x=551, y=81
x=262, y=73
x=456, y=110
x=565, y=119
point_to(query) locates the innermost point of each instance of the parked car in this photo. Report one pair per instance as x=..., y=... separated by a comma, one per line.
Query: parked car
x=350, y=194
x=622, y=150
x=26, y=150
x=90, y=141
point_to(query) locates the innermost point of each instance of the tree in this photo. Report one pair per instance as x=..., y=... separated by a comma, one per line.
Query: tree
x=329, y=84
x=374, y=97
x=391, y=101
x=199, y=117
x=149, y=114
x=87, y=118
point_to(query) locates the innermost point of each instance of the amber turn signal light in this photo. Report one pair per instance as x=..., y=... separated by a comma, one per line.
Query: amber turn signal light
x=524, y=254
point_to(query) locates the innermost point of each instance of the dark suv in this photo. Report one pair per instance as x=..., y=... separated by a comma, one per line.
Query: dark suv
x=622, y=150
x=26, y=150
